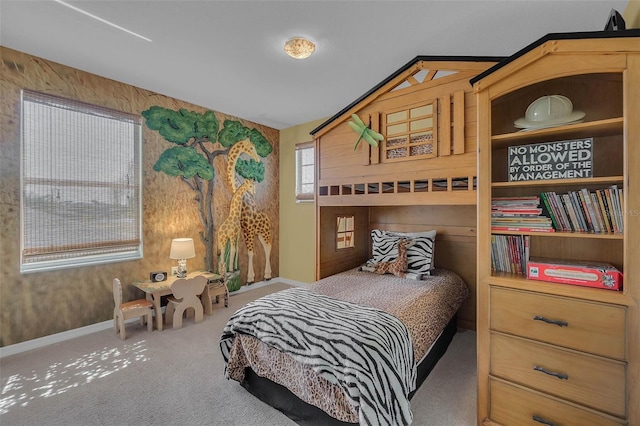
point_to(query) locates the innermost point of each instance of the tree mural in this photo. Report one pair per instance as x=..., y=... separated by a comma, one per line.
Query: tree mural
x=195, y=136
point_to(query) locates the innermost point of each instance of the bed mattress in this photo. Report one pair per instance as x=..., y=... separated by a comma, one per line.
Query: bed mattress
x=425, y=307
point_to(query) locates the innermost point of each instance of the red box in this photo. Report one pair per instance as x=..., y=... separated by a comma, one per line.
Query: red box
x=575, y=272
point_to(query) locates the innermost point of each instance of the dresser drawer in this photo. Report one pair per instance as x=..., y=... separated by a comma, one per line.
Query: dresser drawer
x=586, y=326
x=588, y=380
x=513, y=406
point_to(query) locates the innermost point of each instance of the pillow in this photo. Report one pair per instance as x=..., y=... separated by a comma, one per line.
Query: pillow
x=419, y=255
x=427, y=234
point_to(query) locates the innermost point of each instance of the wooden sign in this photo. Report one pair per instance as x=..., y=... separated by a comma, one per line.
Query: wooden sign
x=569, y=159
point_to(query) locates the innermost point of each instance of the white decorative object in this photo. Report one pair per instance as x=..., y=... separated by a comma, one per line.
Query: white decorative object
x=182, y=249
x=549, y=111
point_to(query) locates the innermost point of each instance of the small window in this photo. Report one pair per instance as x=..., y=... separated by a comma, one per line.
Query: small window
x=80, y=184
x=345, y=232
x=304, y=172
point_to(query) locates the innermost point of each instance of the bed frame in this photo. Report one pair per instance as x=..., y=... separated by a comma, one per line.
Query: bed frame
x=421, y=177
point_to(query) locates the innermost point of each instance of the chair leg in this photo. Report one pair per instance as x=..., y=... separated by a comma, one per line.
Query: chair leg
x=122, y=328
x=177, y=318
x=149, y=322
x=168, y=313
x=199, y=311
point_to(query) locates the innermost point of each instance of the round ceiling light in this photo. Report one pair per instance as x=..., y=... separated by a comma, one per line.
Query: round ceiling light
x=299, y=47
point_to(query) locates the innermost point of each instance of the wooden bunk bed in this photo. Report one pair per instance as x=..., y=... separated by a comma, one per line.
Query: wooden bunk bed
x=422, y=177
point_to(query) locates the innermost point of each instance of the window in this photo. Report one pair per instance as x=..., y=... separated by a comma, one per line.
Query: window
x=304, y=172
x=411, y=133
x=80, y=183
x=345, y=232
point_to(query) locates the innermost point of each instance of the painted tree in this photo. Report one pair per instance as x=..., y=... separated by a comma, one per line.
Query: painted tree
x=191, y=159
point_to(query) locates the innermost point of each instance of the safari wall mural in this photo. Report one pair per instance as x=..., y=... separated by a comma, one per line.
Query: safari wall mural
x=198, y=140
x=194, y=160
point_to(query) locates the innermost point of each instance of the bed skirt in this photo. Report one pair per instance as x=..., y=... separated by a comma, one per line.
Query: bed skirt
x=305, y=414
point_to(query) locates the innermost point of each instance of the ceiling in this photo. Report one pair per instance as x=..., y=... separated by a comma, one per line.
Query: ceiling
x=228, y=55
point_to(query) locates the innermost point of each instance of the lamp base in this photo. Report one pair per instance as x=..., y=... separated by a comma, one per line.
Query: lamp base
x=182, y=268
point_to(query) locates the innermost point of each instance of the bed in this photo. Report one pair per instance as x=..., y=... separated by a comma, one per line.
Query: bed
x=294, y=350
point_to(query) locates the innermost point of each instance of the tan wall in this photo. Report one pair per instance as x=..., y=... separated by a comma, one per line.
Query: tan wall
x=631, y=14
x=297, y=233
x=39, y=304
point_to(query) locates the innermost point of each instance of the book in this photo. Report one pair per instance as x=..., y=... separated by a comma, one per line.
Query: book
x=603, y=210
x=564, y=220
x=522, y=229
x=550, y=211
x=611, y=207
x=585, y=211
x=577, y=206
x=598, y=213
x=607, y=210
x=588, y=203
x=575, y=224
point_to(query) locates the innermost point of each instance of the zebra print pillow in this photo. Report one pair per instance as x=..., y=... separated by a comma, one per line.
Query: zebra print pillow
x=419, y=254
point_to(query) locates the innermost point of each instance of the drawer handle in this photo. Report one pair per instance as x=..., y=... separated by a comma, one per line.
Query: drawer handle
x=549, y=321
x=543, y=421
x=561, y=376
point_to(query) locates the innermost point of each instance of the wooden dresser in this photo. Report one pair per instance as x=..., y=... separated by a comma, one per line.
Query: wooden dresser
x=554, y=353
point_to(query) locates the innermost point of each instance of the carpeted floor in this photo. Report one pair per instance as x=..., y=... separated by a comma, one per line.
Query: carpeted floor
x=175, y=377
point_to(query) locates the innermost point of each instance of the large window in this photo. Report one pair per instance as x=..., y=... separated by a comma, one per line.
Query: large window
x=81, y=184
x=304, y=171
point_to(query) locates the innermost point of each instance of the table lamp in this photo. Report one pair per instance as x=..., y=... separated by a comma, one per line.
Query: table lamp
x=182, y=249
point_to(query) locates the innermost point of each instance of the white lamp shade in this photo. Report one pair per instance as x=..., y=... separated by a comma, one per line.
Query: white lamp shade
x=182, y=248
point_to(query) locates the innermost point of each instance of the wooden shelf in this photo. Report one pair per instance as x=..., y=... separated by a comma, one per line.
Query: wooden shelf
x=604, y=180
x=606, y=127
x=564, y=234
x=520, y=282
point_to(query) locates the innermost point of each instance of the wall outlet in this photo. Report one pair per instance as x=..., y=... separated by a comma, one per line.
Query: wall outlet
x=174, y=270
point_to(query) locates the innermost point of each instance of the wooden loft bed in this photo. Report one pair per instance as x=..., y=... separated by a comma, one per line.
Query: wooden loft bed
x=421, y=177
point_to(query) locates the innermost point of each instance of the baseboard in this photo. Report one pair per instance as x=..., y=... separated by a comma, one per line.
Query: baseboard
x=94, y=328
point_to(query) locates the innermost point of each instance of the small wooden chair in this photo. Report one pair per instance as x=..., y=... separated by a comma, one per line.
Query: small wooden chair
x=135, y=308
x=185, y=295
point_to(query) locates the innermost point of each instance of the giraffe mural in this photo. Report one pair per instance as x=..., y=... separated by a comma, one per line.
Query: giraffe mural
x=252, y=221
x=230, y=228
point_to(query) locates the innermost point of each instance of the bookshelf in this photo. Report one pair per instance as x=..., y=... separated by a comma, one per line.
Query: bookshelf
x=594, y=355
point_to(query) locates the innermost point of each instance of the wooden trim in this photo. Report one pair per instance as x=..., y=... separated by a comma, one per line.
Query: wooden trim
x=458, y=122
x=445, y=125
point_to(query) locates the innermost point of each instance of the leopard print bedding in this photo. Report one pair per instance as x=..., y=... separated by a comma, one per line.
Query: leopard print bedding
x=425, y=307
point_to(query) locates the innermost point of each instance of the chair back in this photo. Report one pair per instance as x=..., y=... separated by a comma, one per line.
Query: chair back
x=117, y=292
x=186, y=287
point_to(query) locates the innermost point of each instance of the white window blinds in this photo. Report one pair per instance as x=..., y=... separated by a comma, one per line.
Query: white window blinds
x=304, y=171
x=81, y=184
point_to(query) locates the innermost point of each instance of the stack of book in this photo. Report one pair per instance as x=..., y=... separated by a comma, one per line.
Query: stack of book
x=599, y=211
x=519, y=214
x=510, y=253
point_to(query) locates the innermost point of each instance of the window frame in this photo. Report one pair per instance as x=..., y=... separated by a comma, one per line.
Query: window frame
x=348, y=232
x=304, y=197
x=54, y=253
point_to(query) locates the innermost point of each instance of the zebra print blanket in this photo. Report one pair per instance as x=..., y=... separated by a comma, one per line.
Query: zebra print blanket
x=366, y=351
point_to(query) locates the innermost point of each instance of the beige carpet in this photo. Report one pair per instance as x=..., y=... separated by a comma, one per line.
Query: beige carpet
x=175, y=377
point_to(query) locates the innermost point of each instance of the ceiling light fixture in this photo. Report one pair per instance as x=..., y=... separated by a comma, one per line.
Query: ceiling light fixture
x=84, y=12
x=299, y=47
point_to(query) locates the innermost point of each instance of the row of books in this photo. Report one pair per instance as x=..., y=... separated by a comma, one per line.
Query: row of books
x=599, y=211
x=519, y=214
x=510, y=253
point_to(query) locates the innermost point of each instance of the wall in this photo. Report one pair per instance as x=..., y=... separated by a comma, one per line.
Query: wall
x=297, y=236
x=39, y=304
